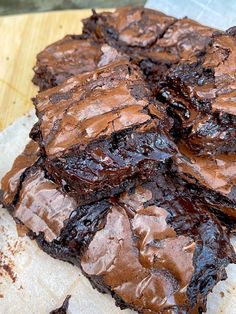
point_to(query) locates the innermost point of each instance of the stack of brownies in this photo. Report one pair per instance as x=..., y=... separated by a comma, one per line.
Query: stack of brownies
x=130, y=173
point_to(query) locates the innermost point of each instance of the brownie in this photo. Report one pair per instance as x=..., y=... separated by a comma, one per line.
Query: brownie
x=72, y=55
x=152, y=39
x=102, y=132
x=154, y=248
x=33, y=198
x=128, y=26
x=200, y=97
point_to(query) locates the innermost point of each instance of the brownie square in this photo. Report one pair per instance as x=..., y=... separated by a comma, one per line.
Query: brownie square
x=102, y=132
x=200, y=97
x=72, y=55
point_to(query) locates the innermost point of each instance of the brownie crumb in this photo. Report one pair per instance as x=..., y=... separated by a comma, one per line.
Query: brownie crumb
x=222, y=294
x=63, y=309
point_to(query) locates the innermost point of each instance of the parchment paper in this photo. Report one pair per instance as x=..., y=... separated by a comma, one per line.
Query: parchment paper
x=215, y=13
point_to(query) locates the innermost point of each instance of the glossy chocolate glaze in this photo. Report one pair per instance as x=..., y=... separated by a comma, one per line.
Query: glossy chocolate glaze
x=102, y=132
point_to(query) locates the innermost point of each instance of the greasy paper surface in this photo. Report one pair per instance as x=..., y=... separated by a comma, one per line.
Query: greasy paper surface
x=34, y=283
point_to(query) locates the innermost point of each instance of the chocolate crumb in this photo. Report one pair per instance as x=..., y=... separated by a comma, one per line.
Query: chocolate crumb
x=63, y=309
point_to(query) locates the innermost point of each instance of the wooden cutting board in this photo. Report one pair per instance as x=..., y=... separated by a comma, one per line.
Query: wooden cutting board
x=22, y=37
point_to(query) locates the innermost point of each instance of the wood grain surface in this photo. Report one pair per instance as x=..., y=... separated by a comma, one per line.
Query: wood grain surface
x=22, y=37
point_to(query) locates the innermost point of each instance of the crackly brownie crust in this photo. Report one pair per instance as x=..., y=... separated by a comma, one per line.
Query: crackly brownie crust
x=102, y=132
x=128, y=26
x=212, y=177
x=152, y=39
x=72, y=55
x=10, y=183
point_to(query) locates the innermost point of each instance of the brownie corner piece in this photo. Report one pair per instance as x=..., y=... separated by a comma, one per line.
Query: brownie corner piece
x=102, y=131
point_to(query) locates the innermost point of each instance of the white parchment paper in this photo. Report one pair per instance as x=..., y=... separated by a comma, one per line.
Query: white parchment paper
x=215, y=13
